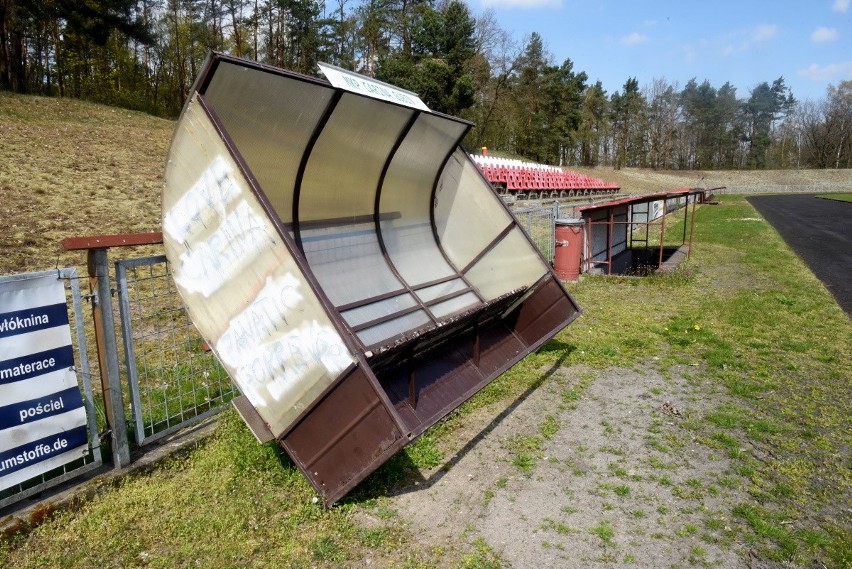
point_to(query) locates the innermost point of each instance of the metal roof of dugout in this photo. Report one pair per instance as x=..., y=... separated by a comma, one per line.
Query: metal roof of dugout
x=346, y=261
x=618, y=239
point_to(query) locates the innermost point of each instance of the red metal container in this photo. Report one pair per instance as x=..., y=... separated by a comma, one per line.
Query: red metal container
x=569, y=246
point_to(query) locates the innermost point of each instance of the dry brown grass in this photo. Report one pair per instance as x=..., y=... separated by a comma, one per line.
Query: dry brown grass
x=71, y=168
x=644, y=181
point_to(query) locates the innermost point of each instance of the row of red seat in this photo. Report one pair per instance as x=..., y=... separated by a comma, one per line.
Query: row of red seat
x=523, y=179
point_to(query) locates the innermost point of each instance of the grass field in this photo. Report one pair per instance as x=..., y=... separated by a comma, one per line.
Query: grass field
x=839, y=197
x=757, y=329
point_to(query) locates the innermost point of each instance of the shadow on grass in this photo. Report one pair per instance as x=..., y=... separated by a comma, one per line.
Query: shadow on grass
x=401, y=475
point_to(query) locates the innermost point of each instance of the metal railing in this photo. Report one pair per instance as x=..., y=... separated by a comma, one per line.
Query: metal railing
x=174, y=379
x=539, y=222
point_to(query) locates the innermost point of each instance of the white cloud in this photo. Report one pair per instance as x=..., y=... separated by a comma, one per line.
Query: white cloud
x=522, y=3
x=764, y=33
x=745, y=40
x=840, y=5
x=822, y=35
x=828, y=72
x=634, y=39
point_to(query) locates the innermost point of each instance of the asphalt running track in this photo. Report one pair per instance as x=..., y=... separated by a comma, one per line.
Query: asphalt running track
x=820, y=232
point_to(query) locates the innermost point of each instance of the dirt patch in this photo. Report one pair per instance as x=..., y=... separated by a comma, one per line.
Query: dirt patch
x=617, y=475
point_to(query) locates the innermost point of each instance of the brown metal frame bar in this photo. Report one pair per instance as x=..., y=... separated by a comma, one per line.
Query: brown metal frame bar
x=388, y=317
x=692, y=224
x=303, y=164
x=487, y=249
x=419, y=332
x=343, y=221
x=353, y=343
x=663, y=230
x=397, y=292
x=427, y=284
x=107, y=241
x=610, y=221
x=419, y=306
x=405, y=311
x=449, y=296
x=435, y=225
x=377, y=215
x=371, y=300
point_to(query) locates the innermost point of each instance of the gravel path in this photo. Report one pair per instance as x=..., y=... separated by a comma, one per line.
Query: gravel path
x=615, y=480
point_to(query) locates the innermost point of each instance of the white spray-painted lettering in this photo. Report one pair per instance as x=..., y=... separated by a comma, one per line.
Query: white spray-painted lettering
x=208, y=198
x=283, y=370
x=260, y=322
x=207, y=265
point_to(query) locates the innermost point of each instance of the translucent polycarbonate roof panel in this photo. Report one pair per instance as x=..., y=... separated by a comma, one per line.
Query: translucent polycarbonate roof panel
x=508, y=266
x=453, y=305
x=241, y=285
x=384, y=330
x=363, y=314
x=466, y=221
x=407, y=189
x=346, y=261
x=344, y=170
x=272, y=131
x=432, y=292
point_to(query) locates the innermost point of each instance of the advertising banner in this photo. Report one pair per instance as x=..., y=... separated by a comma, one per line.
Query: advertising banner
x=42, y=416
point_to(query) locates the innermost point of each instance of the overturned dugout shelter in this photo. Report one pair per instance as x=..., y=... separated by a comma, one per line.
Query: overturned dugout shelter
x=346, y=261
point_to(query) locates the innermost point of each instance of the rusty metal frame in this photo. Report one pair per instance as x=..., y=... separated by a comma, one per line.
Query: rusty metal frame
x=387, y=396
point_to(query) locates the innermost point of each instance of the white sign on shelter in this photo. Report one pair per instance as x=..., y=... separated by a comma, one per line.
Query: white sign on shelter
x=348, y=81
x=42, y=417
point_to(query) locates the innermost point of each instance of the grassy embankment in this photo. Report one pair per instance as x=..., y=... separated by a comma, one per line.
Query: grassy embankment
x=70, y=168
x=744, y=308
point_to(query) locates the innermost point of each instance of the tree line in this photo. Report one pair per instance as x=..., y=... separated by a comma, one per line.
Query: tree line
x=145, y=54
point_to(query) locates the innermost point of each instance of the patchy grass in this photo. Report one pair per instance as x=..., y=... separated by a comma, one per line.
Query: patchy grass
x=744, y=312
x=227, y=503
x=604, y=531
x=778, y=343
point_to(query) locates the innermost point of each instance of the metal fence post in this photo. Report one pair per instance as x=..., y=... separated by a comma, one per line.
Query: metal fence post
x=108, y=354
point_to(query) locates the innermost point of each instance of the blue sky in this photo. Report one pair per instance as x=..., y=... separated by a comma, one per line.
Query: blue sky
x=745, y=42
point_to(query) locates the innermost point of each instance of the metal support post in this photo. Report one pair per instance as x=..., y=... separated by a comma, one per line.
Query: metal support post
x=663, y=231
x=108, y=354
x=691, y=228
x=609, y=242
